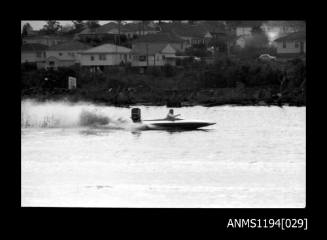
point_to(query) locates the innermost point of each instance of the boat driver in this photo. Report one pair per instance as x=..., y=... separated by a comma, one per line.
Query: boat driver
x=171, y=116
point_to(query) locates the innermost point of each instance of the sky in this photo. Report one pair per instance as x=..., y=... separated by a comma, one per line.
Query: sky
x=36, y=25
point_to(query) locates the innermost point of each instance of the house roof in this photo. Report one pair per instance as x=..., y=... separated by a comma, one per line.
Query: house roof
x=133, y=27
x=213, y=26
x=70, y=45
x=186, y=30
x=301, y=35
x=46, y=37
x=148, y=49
x=108, y=48
x=106, y=27
x=88, y=31
x=161, y=37
x=128, y=27
x=33, y=47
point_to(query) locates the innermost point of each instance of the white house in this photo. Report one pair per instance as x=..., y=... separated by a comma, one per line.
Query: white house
x=278, y=29
x=65, y=54
x=34, y=53
x=153, y=54
x=292, y=44
x=105, y=55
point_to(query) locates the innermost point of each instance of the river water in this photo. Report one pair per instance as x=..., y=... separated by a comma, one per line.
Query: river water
x=84, y=155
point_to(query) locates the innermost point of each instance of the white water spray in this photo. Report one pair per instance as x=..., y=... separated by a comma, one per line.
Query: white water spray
x=61, y=114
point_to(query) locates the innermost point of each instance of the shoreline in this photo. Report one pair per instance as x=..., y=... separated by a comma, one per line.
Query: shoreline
x=207, y=103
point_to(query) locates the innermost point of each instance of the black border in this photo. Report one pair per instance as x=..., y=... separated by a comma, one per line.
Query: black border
x=208, y=220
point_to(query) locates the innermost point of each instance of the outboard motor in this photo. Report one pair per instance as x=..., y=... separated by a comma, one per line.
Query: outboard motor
x=136, y=114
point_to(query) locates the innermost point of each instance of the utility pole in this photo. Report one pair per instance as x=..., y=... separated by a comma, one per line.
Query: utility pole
x=143, y=27
x=119, y=22
x=118, y=40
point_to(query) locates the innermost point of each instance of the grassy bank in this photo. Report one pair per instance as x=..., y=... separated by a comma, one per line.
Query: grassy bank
x=226, y=81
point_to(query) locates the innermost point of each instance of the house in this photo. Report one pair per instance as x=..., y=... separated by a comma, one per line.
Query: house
x=132, y=30
x=99, y=33
x=64, y=54
x=105, y=55
x=193, y=34
x=153, y=54
x=278, y=29
x=34, y=53
x=292, y=45
x=49, y=40
x=112, y=29
x=162, y=38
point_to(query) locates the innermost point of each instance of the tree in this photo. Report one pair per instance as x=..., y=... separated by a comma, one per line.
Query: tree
x=78, y=24
x=92, y=24
x=259, y=38
x=26, y=29
x=51, y=27
x=231, y=25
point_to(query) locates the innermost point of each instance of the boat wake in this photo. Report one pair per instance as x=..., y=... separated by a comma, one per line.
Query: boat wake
x=72, y=115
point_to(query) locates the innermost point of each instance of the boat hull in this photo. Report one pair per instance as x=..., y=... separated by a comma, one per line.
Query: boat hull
x=178, y=124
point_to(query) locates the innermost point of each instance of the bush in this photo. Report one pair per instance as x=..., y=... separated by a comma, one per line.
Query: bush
x=168, y=70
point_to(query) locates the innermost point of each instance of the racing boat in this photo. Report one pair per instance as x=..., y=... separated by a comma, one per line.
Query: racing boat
x=177, y=124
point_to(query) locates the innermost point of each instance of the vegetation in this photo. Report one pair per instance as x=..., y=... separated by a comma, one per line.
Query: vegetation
x=51, y=27
x=225, y=81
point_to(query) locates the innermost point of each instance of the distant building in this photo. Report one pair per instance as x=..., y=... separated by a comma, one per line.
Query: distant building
x=131, y=30
x=34, y=53
x=48, y=40
x=292, y=45
x=192, y=34
x=176, y=42
x=105, y=55
x=65, y=54
x=153, y=54
x=278, y=29
x=99, y=33
x=112, y=29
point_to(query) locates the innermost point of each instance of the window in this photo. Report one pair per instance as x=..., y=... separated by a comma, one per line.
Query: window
x=92, y=58
x=60, y=54
x=102, y=57
x=296, y=44
x=284, y=44
x=38, y=54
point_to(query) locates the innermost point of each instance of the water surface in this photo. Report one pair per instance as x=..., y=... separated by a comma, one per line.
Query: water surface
x=84, y=155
